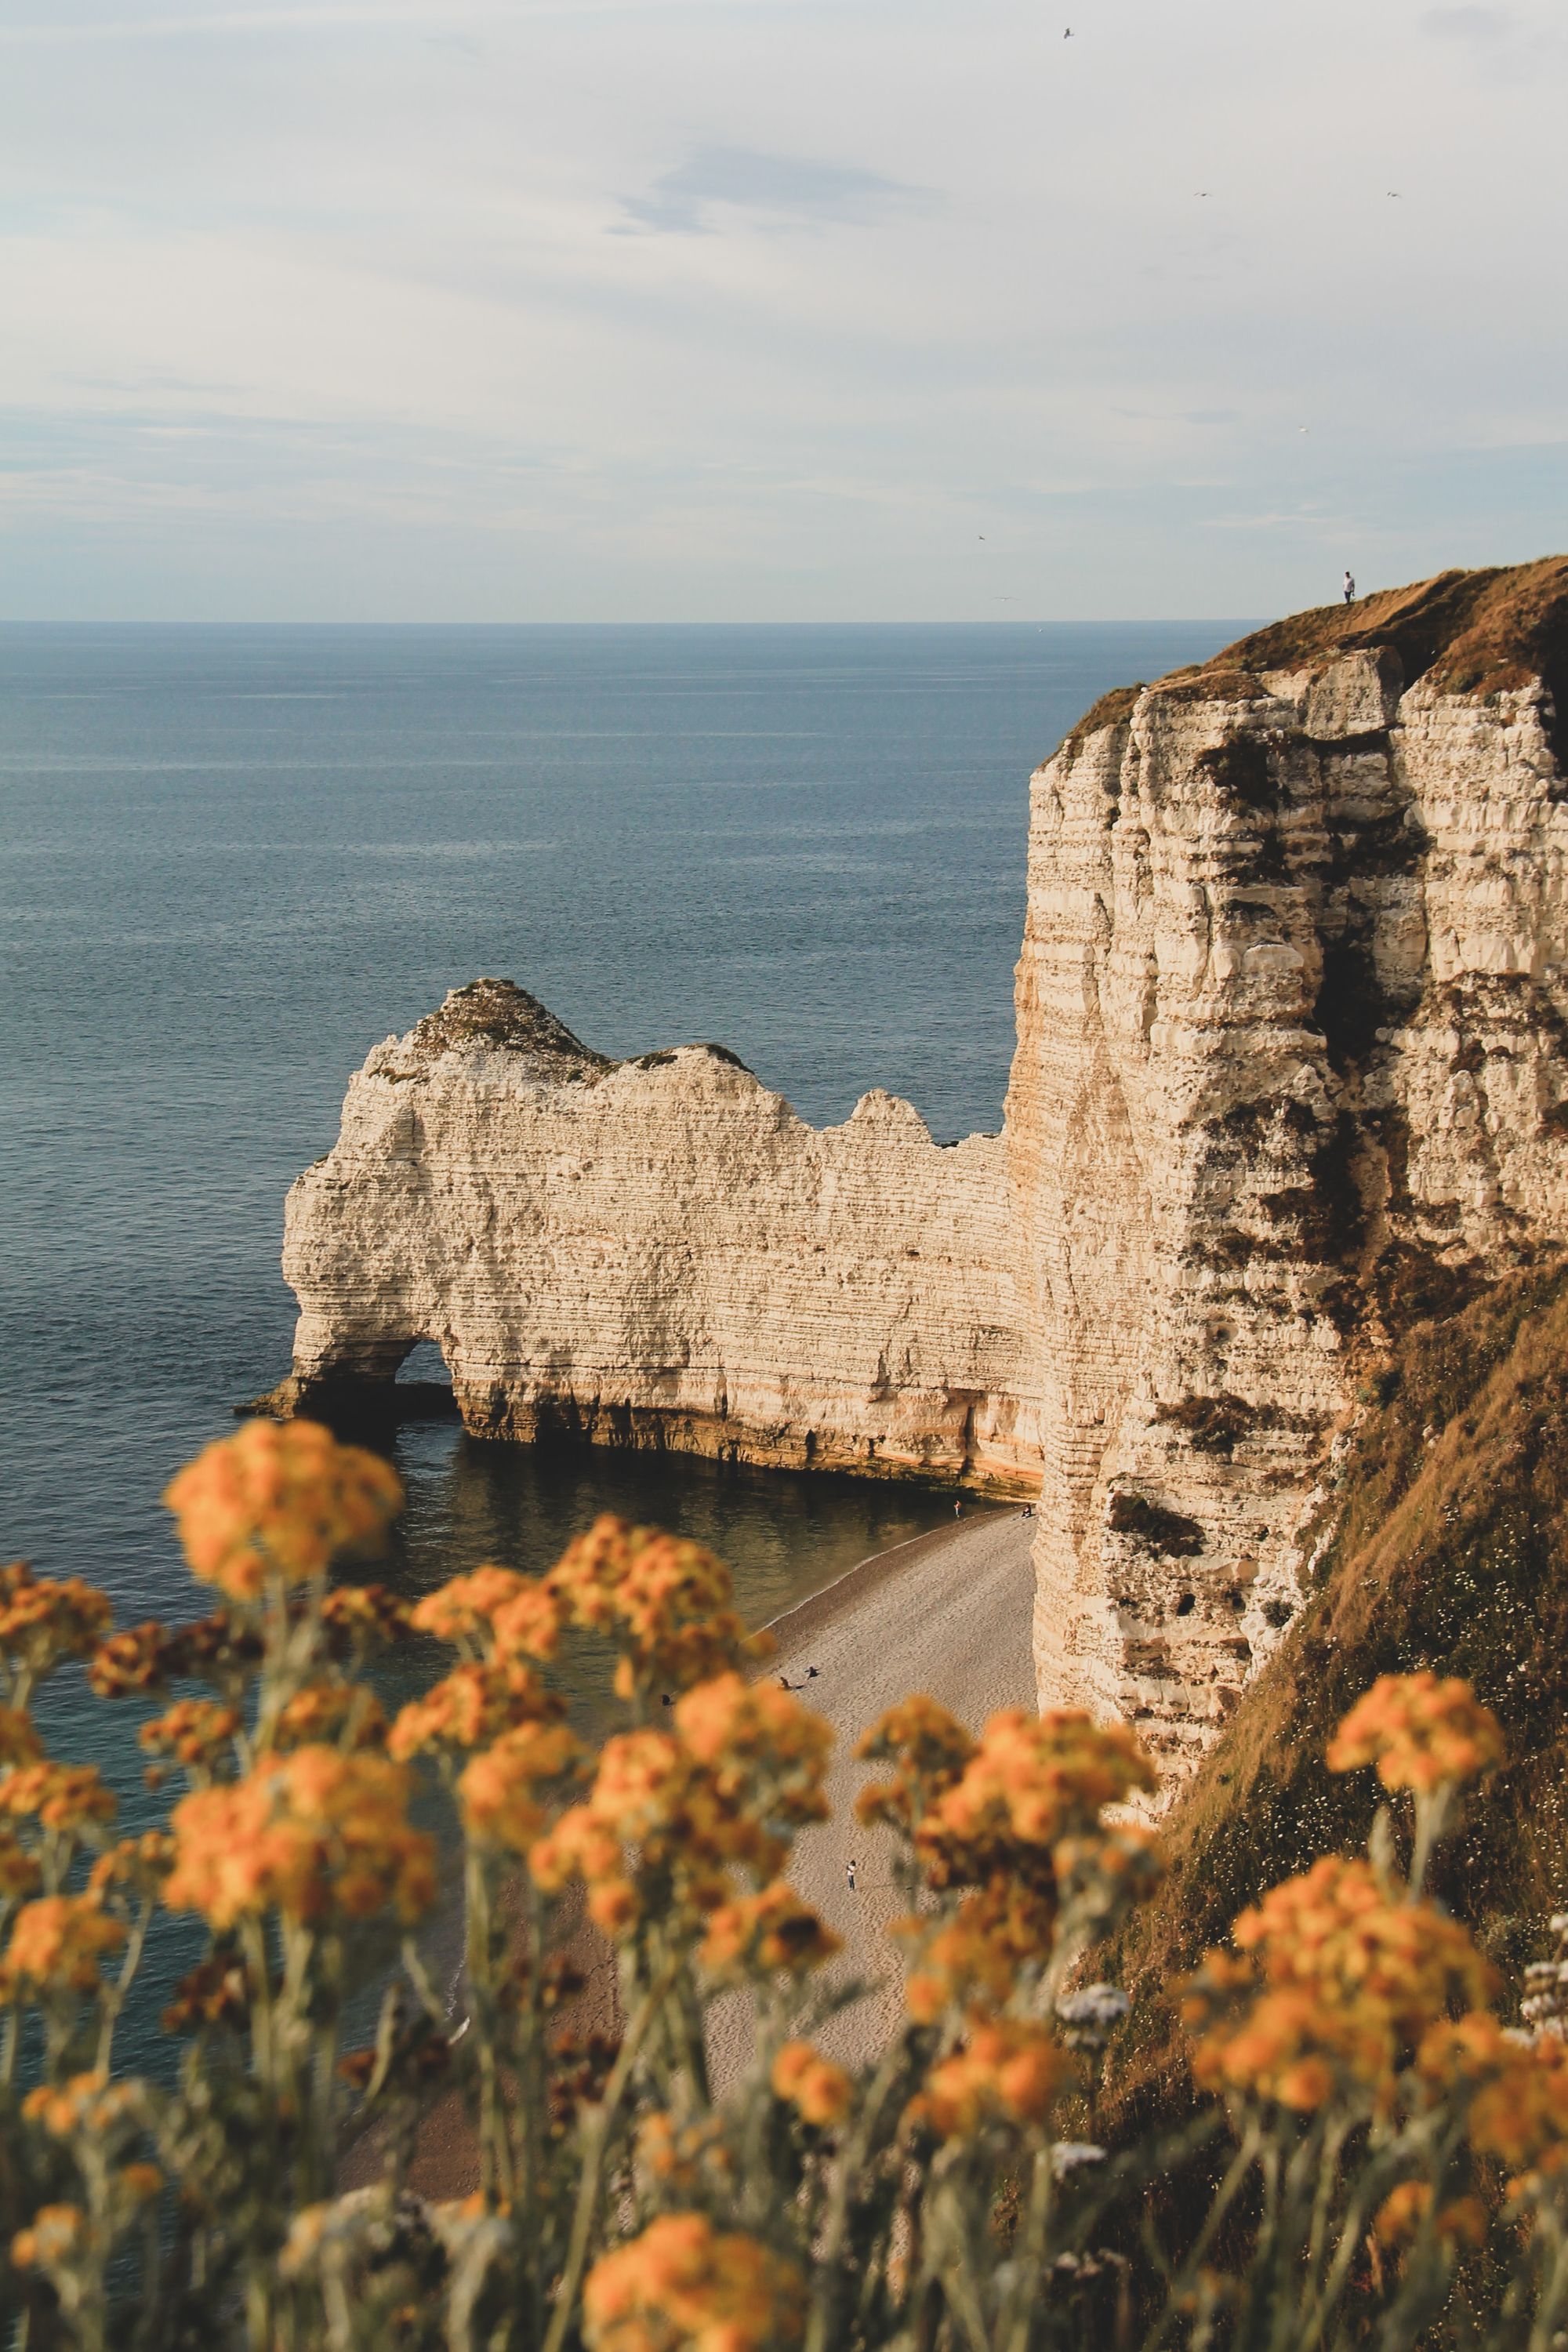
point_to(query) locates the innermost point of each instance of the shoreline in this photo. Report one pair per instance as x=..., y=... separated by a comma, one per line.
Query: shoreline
x=964, y=1637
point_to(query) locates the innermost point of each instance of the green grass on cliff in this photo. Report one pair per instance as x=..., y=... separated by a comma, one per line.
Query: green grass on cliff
x=1448, y=1549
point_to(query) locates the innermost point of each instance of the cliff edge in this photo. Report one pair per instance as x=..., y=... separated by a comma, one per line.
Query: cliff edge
x=1291, y=1069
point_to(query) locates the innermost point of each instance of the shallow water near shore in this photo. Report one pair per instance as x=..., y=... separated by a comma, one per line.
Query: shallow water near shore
x=233, y=859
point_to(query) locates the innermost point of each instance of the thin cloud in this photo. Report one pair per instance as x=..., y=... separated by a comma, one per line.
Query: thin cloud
x=327, y=16
x=1469, y=23
x=779, y=190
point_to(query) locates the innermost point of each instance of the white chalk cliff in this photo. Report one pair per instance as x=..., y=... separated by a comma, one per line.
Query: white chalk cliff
x=1291, y=1067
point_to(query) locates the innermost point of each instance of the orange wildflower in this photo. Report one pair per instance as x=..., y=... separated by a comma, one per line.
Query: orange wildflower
x=462, y=1609
x=683, y=2286
x=1419, y=1731
x=1008, y=2071
x=499, y=1791
x=315, y=1834
x=530, y=1624
x=820, y=2091
x=1343, y=1985
x=86, y=2102
x=767, y=1935
x=53, y=2235
x=1518, y=2089
x=765, y=1753
x=66, y=1798
x=198, y=1732
x=473, y=1705
x=358, y=1614
x=138, y=1863
x=1034, y=1780
x=339, y=1712
x=281, y=1499
x=669, y=1600
x=128, y=1662
x=928, y=1749
x=42, y=1622
x=57, y=1944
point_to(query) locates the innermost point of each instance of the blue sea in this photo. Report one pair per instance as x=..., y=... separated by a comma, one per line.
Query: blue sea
x=234, y=858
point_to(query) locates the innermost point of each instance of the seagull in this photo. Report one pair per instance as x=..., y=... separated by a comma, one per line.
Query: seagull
x=980, y=534
x=1200, y=191
x=1068, y=35
x=1394, y=192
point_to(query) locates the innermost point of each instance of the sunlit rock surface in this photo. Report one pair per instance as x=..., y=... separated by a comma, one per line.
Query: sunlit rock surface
x=1292, y=1068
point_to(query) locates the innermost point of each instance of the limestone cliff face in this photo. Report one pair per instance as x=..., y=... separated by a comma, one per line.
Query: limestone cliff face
x=1292, y=1066
x=1292, y=1061
x=661, y=1253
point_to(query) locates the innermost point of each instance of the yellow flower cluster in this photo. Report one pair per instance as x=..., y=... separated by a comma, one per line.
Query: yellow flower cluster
x=1420, y=1731
x=55, y=2234
x=196, y=1732
x=1006, y=2071
x=315, y=1834
x=765, y=1935
x=341, y=1714
x=1033, y=1782
x=130, y=1661
x=646, y=1794
x=88, y=2103
x=684, y=2286
x=1403, y=2210
x=669, y=1602
x=42, y=1622
x=1518, y=2091
x=469, y=1610
x=820, y=2091
x=1341, y=1982
x=1014, y=1821
x=739, y=1769
x=278, y=1499
x=499, y=1789
x=65, y=1798
x=927, y=1749
x=764, y=1754
x=57, y=1944
x=137, y=1866
x=473, y=1704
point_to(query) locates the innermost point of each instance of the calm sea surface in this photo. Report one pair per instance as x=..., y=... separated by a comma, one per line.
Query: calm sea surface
x=232, y=859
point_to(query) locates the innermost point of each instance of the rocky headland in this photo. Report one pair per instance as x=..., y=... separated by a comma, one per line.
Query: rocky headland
x=1291, y=1075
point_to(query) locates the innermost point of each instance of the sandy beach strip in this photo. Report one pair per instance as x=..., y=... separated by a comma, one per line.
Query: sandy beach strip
x=947, y=1614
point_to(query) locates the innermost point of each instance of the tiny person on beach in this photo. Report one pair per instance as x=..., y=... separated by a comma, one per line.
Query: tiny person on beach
x=850, y=1867
x=958, y=1506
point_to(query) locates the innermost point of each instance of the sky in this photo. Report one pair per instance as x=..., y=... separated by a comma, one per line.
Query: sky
x=773, y=311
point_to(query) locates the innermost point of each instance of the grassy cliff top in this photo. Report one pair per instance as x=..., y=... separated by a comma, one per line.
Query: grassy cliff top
x=1473, y=633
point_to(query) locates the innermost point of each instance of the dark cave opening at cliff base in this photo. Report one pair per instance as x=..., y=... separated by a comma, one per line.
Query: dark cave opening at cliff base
x=423, y=1385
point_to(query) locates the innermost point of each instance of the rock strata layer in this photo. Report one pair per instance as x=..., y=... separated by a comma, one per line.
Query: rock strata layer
x=1292, y=1067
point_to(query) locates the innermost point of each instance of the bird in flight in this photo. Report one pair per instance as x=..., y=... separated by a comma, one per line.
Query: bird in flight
x=1394, y=192
x=1200, y=191
x=1068, y=35
x=980, y=534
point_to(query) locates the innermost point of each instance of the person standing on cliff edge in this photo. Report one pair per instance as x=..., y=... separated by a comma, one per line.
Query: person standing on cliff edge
x=1349, y=589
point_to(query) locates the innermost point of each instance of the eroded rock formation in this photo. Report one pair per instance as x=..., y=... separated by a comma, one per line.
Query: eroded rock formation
x=1292, y=1065
x=661, y=1253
